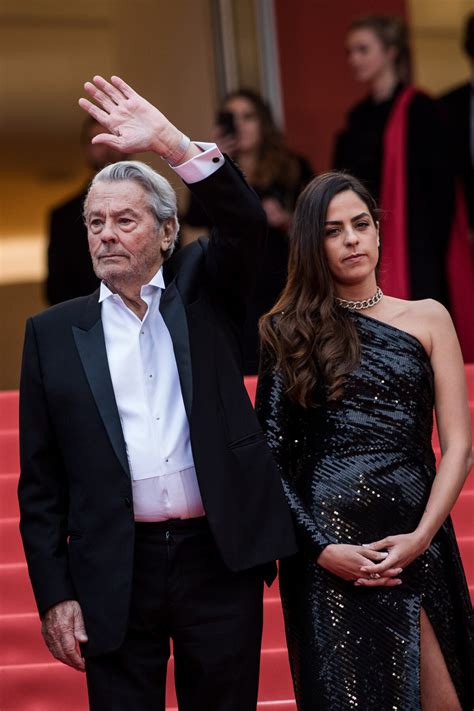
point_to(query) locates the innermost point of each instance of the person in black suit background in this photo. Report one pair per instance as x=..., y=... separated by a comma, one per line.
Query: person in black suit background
x=458, y=110
x=150, y=505
x=246, y=131
x=70, y=271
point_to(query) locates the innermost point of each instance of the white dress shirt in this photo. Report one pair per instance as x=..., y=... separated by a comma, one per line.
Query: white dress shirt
x=147, y=390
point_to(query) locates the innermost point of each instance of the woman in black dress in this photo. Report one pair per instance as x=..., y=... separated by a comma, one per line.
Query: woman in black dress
x=376, y=604
x=247, y=132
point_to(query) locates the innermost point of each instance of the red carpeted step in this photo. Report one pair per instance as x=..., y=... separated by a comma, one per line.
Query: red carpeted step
x=435, y=436
x=52, y=686
x=8, y=496
x=273, y=625
x=463, y=511
x=42, y=687
x=9, y=451
x=21, y=639
x=469, y=486
x=8, y=409
x=27, y=683
x=272, y=592
x=16, y=594
x=466, y=547
x=11, y=548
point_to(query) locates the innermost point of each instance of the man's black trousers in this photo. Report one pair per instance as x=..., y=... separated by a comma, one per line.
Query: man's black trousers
x=182, y=591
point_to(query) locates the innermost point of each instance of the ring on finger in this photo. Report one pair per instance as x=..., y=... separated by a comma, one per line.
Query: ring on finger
x=374, y=576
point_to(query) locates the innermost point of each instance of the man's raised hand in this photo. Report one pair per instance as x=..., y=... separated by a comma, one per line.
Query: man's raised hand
x=133, y=124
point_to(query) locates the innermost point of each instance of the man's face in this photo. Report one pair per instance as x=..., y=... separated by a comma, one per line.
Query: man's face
x=124, y=240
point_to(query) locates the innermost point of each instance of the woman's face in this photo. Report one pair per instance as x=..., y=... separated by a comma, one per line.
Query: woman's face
x=367, y=55
x=247, y=123
x=351, y=240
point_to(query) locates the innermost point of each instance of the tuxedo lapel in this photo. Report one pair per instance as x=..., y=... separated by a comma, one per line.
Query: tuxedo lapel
x=174, y=315
x=90, y=343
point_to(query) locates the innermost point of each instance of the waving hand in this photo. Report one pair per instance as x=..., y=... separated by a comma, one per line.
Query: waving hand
x=133, y=124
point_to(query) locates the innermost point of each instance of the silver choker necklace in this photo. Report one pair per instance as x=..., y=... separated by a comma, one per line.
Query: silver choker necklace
x=360, y=305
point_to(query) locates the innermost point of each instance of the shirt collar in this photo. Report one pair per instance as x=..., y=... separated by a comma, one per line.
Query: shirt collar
x=157, y=281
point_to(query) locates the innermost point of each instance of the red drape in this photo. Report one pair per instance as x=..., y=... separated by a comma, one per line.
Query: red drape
x=393, y=267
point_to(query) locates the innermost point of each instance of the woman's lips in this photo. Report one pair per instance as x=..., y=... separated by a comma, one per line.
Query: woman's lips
x=353, y=257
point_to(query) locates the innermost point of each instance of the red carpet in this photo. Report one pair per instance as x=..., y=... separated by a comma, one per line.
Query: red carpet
x=30, y=680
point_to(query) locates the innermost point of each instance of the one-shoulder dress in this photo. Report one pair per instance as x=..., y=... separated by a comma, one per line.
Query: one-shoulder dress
x=354, y=471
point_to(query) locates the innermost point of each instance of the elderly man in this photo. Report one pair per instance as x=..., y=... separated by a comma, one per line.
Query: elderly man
x=150, y=506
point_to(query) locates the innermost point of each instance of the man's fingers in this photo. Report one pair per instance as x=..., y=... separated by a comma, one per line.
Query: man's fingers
x=108, y=139
x=74, y=659
x=69, y=652
x=105, y=101
x=123, y=87
x=79, y=629
x=98, y=95
x=108, y=89
x=101, y=116
x=65, y=649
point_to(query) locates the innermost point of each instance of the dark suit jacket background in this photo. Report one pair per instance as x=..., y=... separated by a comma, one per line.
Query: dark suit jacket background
x=75, y=490
x=70, y=272
x=456, y=106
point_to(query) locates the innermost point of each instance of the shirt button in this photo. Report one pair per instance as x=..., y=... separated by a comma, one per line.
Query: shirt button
x=216, y=159
x=150, y=376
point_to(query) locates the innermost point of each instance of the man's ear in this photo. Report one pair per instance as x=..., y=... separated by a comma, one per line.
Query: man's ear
x=167, y=234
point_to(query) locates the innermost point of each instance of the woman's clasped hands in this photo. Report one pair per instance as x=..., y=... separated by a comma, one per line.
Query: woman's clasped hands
x=358, y=564
x=401, y=550
x=376, y=564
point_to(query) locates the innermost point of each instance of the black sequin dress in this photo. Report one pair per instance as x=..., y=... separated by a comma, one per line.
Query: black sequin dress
x=356, y=470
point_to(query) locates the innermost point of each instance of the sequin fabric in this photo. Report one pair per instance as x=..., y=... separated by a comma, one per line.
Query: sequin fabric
x=354, y=471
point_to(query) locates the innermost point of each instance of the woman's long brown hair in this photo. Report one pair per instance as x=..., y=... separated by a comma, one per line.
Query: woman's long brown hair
x=276, y=162
x=306, y=334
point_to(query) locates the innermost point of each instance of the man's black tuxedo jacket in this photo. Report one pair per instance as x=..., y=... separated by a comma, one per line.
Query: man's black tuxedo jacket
x=75, y=490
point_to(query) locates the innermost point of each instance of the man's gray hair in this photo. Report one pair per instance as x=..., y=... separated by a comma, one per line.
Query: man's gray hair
x=161, y=196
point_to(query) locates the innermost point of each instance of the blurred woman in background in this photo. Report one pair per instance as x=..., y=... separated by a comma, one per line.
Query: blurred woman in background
x=246, y=131
x=394, y=143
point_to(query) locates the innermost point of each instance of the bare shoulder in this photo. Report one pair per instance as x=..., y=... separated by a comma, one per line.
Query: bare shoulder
x=432, y=311
x=436, y=319
x=427, y=319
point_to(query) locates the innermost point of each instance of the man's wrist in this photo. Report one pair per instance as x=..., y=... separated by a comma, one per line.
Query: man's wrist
x=176, y=154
